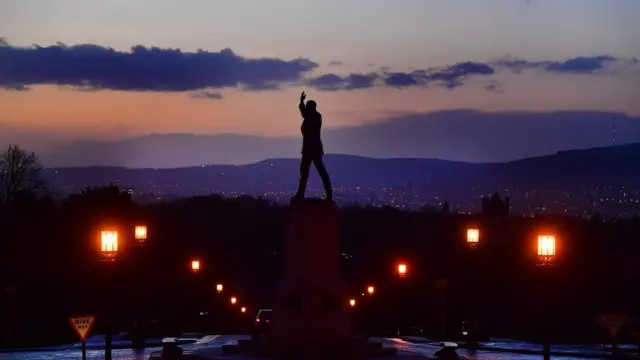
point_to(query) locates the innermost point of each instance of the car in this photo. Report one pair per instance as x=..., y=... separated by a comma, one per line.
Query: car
x=263, y=322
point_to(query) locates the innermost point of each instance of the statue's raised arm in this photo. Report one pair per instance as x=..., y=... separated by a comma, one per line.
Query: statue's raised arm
x=303, y=96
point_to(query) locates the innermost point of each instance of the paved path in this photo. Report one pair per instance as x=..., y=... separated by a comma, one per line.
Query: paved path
x=210, y=347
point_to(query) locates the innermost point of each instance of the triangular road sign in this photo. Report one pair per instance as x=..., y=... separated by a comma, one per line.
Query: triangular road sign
x=82, y=325
x=613, y=323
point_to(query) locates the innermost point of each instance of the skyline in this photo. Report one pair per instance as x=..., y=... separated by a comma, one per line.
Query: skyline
x=562, y=56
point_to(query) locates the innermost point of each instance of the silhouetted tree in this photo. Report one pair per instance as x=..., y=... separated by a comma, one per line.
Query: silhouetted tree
x=20, y=172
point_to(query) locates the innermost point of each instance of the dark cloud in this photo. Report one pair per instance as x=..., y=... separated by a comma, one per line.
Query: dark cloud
x=457, y=75
x=260, y=86
x=578, y=65
x=400, y=79
x=207, y=95
x=494, y=87
x=453, y=76
x=142, y=69
x=450, y=77
x=332, y=82
x=94, y=68
x=15, y=87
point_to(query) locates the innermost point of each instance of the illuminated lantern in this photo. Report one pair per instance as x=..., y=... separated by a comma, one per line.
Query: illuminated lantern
x=546, y=248
x=402, y=270
x=243, y=309
x=473, y=237
x=352, y=302
x=195, y=266
x=140, y=233
x=233, y=300
x=371, y=290
x=109, y=244
x=219, y=288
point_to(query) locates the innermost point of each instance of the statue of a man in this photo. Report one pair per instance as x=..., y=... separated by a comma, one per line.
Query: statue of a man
x=312, y=150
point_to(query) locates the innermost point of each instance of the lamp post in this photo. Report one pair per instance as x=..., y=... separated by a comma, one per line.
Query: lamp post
x=546, y=249
x=195, y=266
x=219, y=288
x=109, y=244
x=371, y=290
x=402, y=270
x=140, y=234
x=473, y=241
x=243, y=309
x=473, y=237
x=546, y=254
x=109, y=249
x=233, y=300
x=352, y=303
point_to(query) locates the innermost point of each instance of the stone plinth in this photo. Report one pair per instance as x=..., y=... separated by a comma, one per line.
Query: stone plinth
x=310, y=308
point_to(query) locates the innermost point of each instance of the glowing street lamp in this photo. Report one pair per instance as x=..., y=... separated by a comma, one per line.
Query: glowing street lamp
x=140, y=234
x=219, y=288
x=352, y=302
x=243, y=309
x=371, y=290
x=233, y=300
x=109, y=244
x=473, y=237
x=402, y=270
x=546, y=248
x=195, y=266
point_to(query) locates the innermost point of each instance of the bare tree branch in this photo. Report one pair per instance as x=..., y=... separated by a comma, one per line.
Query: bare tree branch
x=20, y=172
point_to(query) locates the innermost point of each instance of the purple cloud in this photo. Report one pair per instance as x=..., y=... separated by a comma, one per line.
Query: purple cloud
x=578, y=65
x=332, y=82
x=142, y=69
x=207, y=95
x=450, y=77
x=94, y=68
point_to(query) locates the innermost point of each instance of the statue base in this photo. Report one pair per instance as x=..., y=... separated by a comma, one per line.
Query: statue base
x=310, y=310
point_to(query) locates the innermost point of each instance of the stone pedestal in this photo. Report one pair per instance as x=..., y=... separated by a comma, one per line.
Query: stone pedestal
x=310, y=308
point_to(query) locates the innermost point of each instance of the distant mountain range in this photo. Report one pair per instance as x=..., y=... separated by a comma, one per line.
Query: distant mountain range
x=566, y=171
x=459, y=135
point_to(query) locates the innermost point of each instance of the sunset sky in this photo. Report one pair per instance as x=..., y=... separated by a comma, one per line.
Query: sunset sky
x=241, y=64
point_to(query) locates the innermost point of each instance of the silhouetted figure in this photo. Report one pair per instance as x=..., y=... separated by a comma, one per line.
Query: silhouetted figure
x=312, y=150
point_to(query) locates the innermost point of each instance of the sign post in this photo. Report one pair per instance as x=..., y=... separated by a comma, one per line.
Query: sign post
x=82, y=325
x=613, y=323
x=441, y=284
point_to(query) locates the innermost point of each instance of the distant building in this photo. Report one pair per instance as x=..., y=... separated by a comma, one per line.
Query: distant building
x=446, y=208
x=496, y=206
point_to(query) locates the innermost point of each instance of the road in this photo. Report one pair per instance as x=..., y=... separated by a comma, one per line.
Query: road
x=210, y=346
